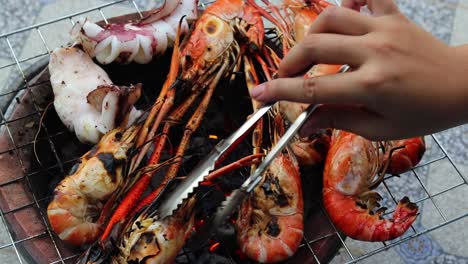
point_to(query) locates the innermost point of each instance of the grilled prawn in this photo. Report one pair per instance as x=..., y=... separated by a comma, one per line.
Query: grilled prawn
x=349, y=176
x=225, y=33
x=406, y=154
x=136, y=41
x=311, y=150
x=270, y=223
x=78, y=199
x=211, y=52
x=151, y=240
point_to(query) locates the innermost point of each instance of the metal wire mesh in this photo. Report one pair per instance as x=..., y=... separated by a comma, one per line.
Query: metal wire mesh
x=59, y=163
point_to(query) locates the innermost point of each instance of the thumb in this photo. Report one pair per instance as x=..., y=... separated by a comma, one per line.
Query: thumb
x=355, y=119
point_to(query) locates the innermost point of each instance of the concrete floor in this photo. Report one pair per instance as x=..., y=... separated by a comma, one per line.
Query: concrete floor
x=446, y=19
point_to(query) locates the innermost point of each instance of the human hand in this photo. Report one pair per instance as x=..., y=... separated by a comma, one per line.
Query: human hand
x=405, y=82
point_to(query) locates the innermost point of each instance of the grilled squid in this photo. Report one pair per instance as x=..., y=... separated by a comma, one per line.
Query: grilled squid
x=86, y=100
x=135, y=41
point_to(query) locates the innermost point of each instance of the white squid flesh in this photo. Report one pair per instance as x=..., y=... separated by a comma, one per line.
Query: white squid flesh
x=135, y=41
x=86, y=100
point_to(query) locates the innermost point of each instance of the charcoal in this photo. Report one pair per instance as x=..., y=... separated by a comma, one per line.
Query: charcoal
x=226, y=232
x=211, y=258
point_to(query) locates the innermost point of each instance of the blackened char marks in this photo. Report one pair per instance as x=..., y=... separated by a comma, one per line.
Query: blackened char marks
x=110, y=164
x=271, y=188
x=273, y=228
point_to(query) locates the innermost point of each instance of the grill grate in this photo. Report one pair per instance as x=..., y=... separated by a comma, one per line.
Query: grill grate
x=57, y=163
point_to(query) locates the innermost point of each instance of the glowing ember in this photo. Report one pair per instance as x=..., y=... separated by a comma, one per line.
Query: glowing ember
x=199, y=223
x=215, y=137
x=214, y=246
x=206, y=183
x=241, y=254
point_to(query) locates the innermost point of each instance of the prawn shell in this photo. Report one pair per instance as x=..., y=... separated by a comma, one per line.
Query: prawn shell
x=154, y=241
x=409, y=156
x=351, y=165
x=270, y=228
x=78, y=199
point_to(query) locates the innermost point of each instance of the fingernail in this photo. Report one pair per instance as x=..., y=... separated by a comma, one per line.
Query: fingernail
x=257, y=93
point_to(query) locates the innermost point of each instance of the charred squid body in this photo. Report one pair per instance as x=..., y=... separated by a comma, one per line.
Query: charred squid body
x=153, y=241
x=84, y=97
x=270, y=224
x=78, y=199
x=349, y=175
x=135, y=41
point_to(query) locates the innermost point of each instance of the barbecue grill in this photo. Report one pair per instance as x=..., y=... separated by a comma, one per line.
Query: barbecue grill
x=28, y=171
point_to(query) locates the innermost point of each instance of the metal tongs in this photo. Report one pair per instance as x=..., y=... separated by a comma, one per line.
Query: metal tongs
x=207, y=164
x=232, y=202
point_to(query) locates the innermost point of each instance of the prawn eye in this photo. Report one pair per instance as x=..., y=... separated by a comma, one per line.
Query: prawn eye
x=187, y=61
x=212, y=27
x=118, y=136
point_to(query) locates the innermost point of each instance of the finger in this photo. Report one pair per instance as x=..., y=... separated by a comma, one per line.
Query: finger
x=321, y=48
x=382, y=7
x=336, y=88
x=353, y=4
x=341, y=21
x=350, y=118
